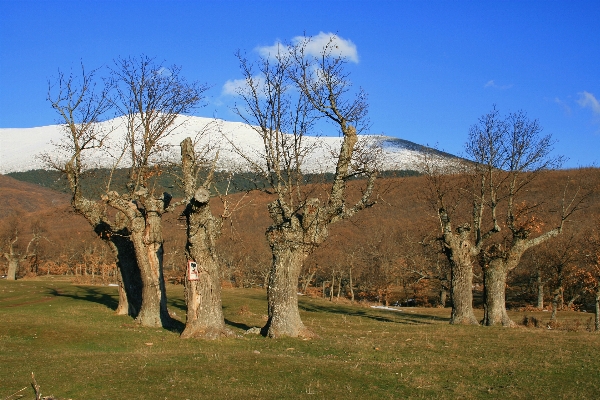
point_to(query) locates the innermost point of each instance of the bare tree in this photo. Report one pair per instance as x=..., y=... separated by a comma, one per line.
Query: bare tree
x=507, y=164
x=83, y=107
x=506, y=156
x=203, y=287
x=152, y=99
x=458, y=244
x=14, y=254
x=290, y=90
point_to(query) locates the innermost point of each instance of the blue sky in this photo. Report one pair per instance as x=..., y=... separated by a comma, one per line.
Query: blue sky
x=431, y=68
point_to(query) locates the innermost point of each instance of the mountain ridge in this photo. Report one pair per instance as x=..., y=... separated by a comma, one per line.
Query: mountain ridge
x=21, y=148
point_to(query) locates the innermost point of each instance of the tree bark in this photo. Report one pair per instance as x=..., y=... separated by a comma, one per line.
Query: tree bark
x=13, y=267
x=118, y=237
x=457, y=249
x=494, y=278
x=461, y=292
x=282, y=293
x=443, y=296
x=148, y=243
x=203, y=296
x=144, y=221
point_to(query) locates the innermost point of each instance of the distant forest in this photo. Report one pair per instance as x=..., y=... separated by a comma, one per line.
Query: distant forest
x=225, y=182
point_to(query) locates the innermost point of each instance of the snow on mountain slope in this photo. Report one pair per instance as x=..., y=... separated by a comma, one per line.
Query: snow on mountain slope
x=21, y=148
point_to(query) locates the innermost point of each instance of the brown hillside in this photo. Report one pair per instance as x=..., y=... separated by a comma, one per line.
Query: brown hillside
x=22, y=197
x=385, y=244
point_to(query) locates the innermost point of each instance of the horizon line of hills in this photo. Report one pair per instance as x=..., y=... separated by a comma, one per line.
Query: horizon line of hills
x=96, y=179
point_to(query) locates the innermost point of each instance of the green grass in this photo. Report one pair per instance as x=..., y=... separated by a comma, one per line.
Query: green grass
x=70, y=338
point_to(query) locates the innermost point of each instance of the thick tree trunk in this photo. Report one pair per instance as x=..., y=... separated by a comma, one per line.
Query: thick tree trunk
x=129, y=277
x=494, y=276
x=461, y=291
x=282, y=293
x=118, y=238
x=13, y=267
x=203, y=296
x=458, y=250
x=146, y=236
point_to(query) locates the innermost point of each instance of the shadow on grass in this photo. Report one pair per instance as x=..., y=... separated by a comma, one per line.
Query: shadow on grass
x=237, y=325
x=110, y=301
x=398, y=317
x=91, y=294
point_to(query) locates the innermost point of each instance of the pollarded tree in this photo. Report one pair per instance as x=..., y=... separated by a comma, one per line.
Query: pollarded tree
x=459, y=244
x=506, y=164
x=506, y=156
x=152, y=100
x=282, y=99
x=82, y=108
x=203, y=287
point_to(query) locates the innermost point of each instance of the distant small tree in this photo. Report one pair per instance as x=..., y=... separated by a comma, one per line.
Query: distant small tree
x=13, y=249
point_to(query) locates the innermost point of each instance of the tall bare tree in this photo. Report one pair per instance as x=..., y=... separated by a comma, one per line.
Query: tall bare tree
x=445, y=184
x=83, y=104
x=507, y=164
x=151, y=98
x=506, y=156
x=203, y=288
x=282, y=100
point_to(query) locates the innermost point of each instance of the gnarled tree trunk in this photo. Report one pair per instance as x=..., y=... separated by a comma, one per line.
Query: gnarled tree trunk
x=457, y=248
x=494, y=278
x=148, y=243
x=13, y=267
x=129, y=277
x=145, y=227
x=282, y=292
x=461, y=292
x=203, y=295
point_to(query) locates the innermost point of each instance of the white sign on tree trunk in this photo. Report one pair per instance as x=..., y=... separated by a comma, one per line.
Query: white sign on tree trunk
x=192, y=271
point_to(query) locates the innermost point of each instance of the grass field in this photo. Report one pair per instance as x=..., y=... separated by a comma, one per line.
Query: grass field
x=70, y=338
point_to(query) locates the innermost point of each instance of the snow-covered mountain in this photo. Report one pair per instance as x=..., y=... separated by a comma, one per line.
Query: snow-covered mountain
x=21, y=148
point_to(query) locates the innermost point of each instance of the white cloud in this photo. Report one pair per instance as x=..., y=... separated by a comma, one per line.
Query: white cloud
x=587, y=99
x=233, y=87
x=316, y=45
x=271, y=51
x=494, y=85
